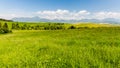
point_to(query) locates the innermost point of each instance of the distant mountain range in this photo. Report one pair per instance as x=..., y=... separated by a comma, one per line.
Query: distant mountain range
x=37, y=19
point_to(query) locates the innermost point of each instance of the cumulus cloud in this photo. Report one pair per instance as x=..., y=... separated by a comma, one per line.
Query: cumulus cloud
x=60, y=12
x=63, y=14
x=103, y=15
x=83, y=14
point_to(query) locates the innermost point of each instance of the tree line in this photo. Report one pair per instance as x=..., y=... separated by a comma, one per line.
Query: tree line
x=46, y=26
x=53, y=26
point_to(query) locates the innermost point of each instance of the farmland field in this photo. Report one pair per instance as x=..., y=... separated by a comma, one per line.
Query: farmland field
x=74, y=48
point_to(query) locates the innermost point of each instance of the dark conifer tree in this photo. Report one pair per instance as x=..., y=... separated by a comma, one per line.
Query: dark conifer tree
x=5, y=28
x=17, y=26
x=13, y=26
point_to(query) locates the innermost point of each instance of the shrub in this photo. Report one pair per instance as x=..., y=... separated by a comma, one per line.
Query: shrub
x=72, y=27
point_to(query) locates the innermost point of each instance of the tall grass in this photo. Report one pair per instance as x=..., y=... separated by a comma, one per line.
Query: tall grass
x=83, y=48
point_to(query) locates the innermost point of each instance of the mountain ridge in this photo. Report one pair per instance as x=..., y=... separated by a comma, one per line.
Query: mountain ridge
x=38, y=19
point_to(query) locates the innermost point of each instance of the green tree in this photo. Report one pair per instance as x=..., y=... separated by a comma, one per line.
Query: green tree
x=13, y=26
x=17, y=26
x=5, y=28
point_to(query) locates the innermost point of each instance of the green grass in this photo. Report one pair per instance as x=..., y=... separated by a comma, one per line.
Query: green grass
x=83, y=48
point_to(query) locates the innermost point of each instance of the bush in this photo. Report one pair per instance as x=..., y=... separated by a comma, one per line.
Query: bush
x=72, y=27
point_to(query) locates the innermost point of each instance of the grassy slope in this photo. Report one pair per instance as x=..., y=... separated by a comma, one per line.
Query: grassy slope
x=86, y=48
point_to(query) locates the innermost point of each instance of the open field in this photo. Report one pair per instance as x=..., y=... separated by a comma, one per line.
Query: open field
x=77, y=48
x=59, y=33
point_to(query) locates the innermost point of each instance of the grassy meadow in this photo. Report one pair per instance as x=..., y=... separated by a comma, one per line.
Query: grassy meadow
x=69, y=48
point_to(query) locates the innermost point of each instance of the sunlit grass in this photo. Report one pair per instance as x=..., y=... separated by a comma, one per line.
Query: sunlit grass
x=84, y=48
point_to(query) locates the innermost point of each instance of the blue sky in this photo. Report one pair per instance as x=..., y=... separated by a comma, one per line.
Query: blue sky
x=30, y=7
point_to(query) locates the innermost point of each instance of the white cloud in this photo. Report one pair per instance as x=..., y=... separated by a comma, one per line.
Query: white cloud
x=7, y=16
x=103, y=15
x=63, y=14
x=60, y=12
x=83, y=12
